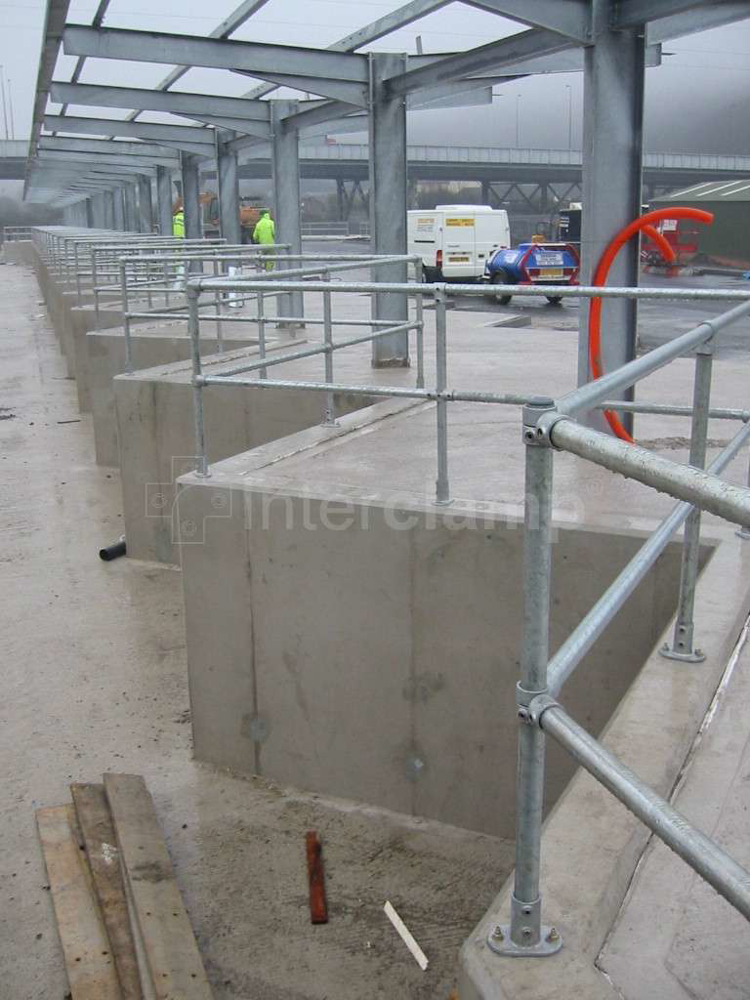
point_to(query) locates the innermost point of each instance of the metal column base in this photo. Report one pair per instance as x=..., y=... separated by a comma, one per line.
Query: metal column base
x=696, y=656
x=501, y=943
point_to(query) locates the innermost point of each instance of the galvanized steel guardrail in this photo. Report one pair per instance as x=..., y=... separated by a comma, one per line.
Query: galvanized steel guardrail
x=549, y=426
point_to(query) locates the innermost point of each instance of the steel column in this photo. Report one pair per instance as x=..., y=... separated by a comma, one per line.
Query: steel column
x=119, y=210
x=285, y=164
x=388, y=202
x=109, y=210
x=229, y=189
x=131, y=212
x=97, y=211
x=145, y=204
x=614, y=74
x=164, y=199
x=191, y=196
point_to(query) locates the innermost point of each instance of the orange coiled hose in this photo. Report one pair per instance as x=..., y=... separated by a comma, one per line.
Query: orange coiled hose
x=642, y=224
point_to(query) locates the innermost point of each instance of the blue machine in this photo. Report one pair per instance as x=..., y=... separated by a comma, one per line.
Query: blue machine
x=534, y=264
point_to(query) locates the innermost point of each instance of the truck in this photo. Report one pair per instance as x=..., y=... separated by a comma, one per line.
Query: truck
x=534, y=263
x=456, y=241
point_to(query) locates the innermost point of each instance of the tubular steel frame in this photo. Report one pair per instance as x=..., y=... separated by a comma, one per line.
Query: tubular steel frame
x=550, y=426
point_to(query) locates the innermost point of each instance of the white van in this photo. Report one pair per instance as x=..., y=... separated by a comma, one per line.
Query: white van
x=455, y=241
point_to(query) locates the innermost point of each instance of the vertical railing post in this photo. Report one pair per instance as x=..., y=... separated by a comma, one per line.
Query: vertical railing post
x=525, y=935
x=201, y=465
x=217, y=303
x=126, y=315
x=442, y=491
x=419, y=278
x=330, y=412
x=261, y=304
x=682, y=647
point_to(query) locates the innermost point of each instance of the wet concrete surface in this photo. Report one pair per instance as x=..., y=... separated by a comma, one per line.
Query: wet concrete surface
x=94, y=679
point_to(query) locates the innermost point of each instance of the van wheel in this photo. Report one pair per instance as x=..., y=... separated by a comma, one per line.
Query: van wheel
x=554, y=300
x=431, y=274
x=500, y=277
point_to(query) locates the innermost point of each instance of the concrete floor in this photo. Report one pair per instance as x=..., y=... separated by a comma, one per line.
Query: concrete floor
x=94, y=679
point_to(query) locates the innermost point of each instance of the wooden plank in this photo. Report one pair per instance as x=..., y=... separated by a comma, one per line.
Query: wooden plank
x=98, y=834
x=316, y=879
x=88, y=960
x=172, y=954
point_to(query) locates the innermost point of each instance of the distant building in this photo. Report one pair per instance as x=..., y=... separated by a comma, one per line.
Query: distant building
x=727, y=240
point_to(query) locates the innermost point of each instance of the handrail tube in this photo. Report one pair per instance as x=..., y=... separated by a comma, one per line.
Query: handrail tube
x=673, y=410
x=428, y=395
x=562, y=291
x=589, y=629
x=309, y=352
x=586, y=396
x=680, y=481
x=705, y=857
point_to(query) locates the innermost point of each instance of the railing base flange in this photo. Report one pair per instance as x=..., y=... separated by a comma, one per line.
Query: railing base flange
x=697, y=655
x=499, y=941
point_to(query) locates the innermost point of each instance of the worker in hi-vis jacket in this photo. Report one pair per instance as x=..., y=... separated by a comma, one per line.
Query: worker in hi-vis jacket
x=265, y=234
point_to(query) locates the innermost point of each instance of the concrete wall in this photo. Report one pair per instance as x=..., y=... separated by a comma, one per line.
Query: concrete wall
x=105, y=352
x=156, y=439
x=370, y=653
x=19, y=252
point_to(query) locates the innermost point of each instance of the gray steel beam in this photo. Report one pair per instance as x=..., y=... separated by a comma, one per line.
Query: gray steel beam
x=96, y=21
x=191, y=196
x=229, y=189
x=175, y=103
x=164, y=199
x=612, y=178
x=701, y=19
x=223, y=30
x=145, y=205
x=89, y=213
x=337, y=90
x=184, y=137
x=54, y=24
x=635, y=13
x=572, y=18
x=131, y=209
x=504, y=53
x=194, y=50
x=83, y=161
x=399, y=18
x=109, y=210
x=109, y=147
x=388, y=197
x=286, y=193
x=97, y=211
x=119, y=211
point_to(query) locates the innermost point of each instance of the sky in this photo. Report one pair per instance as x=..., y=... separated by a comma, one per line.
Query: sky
x=696, y=101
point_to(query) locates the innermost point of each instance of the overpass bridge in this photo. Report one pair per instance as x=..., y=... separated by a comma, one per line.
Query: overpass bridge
x=536, y=178
x=13, y=155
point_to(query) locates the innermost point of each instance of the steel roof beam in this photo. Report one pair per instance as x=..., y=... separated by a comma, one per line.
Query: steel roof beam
x=243, y=13
x=700, y=19
x=184, y=137
x=95, y=162
x=194, y=50
x=135, y=98
x=337, y=90
x=400, y=18
x=96, y=21
x=111, y=148
x=54, y=24
x=634, y=13
x=571, y=18
x=506, y=53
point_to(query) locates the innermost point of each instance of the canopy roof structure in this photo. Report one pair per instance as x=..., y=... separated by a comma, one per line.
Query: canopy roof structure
x=98, y=143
